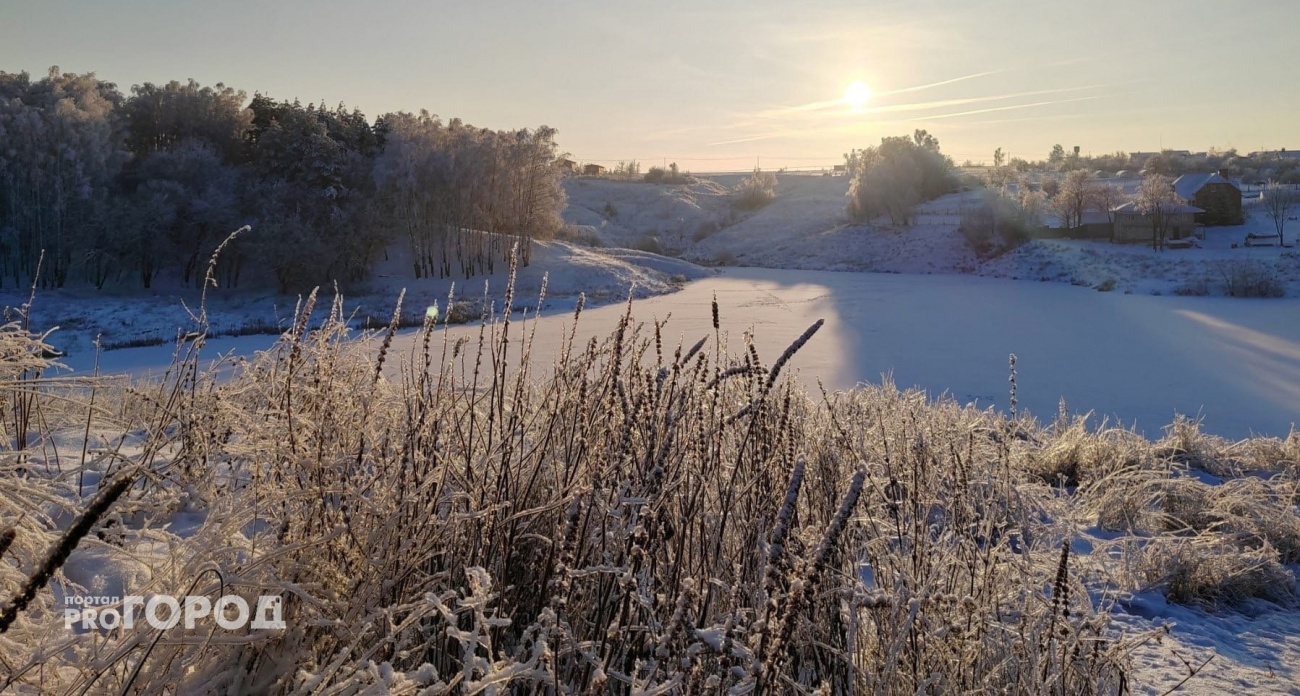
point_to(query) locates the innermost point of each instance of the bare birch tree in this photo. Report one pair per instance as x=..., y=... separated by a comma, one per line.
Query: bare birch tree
x=1279, y=201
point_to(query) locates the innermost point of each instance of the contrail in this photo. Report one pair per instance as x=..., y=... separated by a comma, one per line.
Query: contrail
x=934, y=105
x=831, y=103
x=926, y=106
x=915, y=106
x=941, y=83
x=1014, y=106
x=748, y=140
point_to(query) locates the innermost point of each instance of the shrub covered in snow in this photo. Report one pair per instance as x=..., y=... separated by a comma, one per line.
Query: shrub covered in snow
x=755, y=191
x=998, y=223
x=1246, y=279
x=672, y=175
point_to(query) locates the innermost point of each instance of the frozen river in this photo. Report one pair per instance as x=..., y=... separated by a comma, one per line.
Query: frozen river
x=1137, y=359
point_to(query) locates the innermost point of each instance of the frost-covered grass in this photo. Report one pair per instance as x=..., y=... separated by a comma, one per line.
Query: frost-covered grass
x=642, y=518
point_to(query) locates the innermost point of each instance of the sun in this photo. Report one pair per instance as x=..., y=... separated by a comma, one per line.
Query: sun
x=857, y=95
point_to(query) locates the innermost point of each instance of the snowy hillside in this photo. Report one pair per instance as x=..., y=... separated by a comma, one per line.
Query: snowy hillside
x=805, y=227
x=628, y=213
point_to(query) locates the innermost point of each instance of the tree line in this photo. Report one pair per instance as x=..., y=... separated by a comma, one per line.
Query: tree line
x=102, y=188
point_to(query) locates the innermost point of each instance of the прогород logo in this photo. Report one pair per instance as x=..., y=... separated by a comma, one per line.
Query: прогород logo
x=162, y=612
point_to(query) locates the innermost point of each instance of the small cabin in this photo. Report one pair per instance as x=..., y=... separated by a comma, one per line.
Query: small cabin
x=593, y=170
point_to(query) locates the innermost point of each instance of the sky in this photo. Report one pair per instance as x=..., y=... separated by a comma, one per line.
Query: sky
x=725, y=84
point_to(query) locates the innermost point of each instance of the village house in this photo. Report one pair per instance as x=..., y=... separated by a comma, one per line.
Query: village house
x=566, y=165
x=1219, y=198
x=593, y=170
x=1134, y=226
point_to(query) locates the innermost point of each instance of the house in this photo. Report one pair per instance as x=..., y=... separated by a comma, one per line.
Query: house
x=566, y=165
x=593, y=169
x=1218, y=197
x=1132, y=225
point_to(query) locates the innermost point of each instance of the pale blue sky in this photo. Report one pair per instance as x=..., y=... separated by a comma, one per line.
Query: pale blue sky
x=714, y=85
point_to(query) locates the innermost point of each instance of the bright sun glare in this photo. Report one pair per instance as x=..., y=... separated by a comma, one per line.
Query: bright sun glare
x=857, y=95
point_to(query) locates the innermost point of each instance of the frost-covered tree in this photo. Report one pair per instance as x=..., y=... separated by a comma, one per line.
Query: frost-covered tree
x=893, y=177
x=1108, y=198
x=313, y=180
x=1157, y=200
x=1051, y=186
x=146, y=187
x=464, y=196
x=61, y=150
x=1076, y=196
x=160, y=117
x=196, y=197
x=1279, y=200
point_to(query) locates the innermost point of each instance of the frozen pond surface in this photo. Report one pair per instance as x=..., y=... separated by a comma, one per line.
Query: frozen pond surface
x=1137, y=359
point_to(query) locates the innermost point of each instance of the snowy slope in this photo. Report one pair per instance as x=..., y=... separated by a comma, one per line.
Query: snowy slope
x=622, y=213
x=805, y=228
x=603, y=275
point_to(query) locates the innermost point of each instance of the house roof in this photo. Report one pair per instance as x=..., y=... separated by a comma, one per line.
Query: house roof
x=1132, y=207
x=1187, y=185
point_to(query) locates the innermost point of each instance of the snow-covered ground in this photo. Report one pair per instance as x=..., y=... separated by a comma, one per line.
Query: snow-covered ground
x=604, y=275
x=631, y=213
x=1234, y=651
x=1138, y=268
